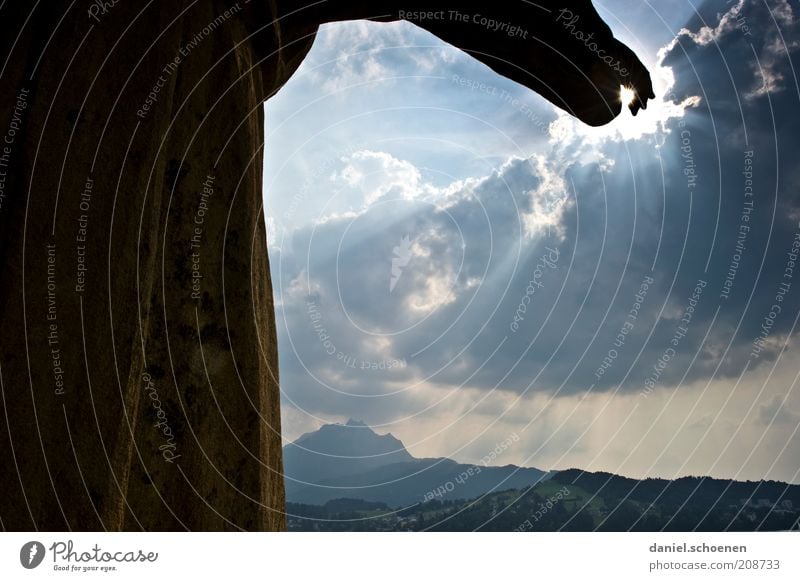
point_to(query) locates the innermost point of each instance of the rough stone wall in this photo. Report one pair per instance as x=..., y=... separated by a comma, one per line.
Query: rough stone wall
x=138, y=347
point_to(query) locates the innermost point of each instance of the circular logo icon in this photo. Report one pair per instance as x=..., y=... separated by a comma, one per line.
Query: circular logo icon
x=31, y=554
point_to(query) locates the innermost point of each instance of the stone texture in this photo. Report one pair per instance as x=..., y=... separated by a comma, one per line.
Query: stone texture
x=140, y=333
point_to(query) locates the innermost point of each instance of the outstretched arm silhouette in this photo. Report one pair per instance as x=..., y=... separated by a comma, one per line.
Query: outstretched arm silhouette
x=562, y=50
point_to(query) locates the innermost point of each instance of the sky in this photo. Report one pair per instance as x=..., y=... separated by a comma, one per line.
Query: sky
x=455, y=261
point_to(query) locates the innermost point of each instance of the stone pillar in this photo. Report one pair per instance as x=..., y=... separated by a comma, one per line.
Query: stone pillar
x=138, y=348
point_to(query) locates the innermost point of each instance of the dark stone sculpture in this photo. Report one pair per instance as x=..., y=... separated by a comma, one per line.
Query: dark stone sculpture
x=138, y=362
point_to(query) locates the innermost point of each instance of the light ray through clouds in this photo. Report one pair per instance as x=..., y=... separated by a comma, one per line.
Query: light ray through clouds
x=519, y=300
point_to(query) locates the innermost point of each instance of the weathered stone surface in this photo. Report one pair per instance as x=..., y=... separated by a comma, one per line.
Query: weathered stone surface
x=142, y=199
x=138, y=348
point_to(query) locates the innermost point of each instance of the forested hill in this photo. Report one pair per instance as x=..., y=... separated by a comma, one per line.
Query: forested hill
x=574, y=500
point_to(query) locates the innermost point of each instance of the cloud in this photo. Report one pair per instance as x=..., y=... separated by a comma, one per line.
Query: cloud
x=775, y=411
x=619, y=211
x=375, y=174
x=673, y=230
x=728, y=22
x=358, y=64
x=361, y=53
x=768, y=31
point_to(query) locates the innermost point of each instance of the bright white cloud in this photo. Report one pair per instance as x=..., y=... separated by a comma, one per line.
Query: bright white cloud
x=375, y=174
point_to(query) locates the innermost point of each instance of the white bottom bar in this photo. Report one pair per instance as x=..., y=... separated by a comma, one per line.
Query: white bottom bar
x=400, y=556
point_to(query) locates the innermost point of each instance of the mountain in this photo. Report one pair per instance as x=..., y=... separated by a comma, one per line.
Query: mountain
x=337, y=450
x=574, y=500
x=351, y=461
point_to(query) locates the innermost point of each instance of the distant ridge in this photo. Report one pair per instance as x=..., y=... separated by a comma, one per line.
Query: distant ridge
x=575, y=500
x=351, y=461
